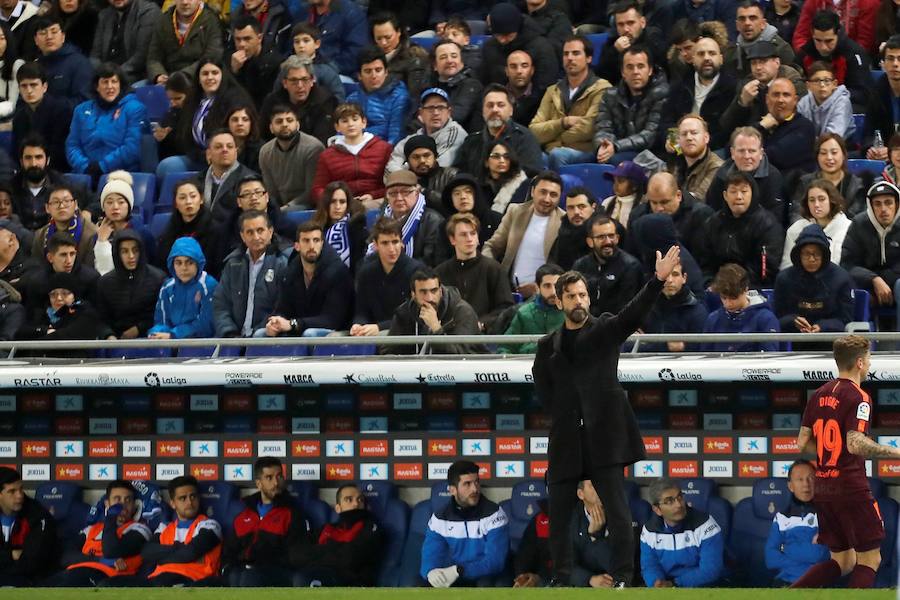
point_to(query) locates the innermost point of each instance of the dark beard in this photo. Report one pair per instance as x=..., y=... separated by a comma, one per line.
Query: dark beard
x=35, y=174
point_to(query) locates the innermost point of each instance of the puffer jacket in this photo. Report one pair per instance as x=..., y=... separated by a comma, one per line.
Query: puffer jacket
x=69, y=74
x=611, y=283
x=185, y=309
x=547, y=124
x=385, y=109
x=823, y=298
x=276, y=27
x=201, y=229
x=631, y=127
x=755, y=318
x=128, y=298
x=871, y=250
x=835, y=115
x=535, y=316
x=690, y=554
x=230, y=297
x=736, y=55
x=472, y=155
x=108, y=134
x=409, y=64
x=363, y=172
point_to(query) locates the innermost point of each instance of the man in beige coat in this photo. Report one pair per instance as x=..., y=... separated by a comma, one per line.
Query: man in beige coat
x=564, y=123
x=696, y=165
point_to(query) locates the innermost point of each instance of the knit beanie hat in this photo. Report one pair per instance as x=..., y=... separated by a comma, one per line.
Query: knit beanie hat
x=505, y=18
x=119, y=182
x=419, y=141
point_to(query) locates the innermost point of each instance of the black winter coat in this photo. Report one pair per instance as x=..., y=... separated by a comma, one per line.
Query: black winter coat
x=682, y=313
x=613, y=283
x=570, y=244
x=267, y=541
x=315, y=114
x=769, y=192
x=481, y=282
x=681, y=102
x=473, y=153
x=632, y=125
x=379, y=294
x=529, y=39
x=34, y=533
x=609, y=66
x=326, y=303
x=689, y=220
x=455, y=314
x=464, y=90
x=201, y=229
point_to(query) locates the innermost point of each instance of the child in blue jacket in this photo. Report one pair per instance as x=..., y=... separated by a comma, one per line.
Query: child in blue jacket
x=184, y=307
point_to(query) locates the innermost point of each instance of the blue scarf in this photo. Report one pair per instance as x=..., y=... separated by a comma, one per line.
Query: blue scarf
x=199, y=121
x=410, y=227
x=338, y=238
x=76, y=226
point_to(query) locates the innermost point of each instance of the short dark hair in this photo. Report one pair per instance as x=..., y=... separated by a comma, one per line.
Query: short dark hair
x=251, y=178
x=800, y=462
x=585, y=41
x=819, y=65
x=248, y=215
x=423, y=274
x=47, y=21
x=566, y=279
x=341, y=488
x=625, y=5
x=598, y=218
x=307, y=28
x=215, y=133
x=371, y=54
x=8, y=476
x=460, y=468
x=749, y=4
x=182, y=481
x=265, y=462
x=457, y=22
x=117, y=484
x=684, y=30
x=386, y=16
x=826, y=20
x=443, y=42
x=58, y=240
x=34, y=140
x=31, y=70
x=731, y=281
x=496, y=88
x=386, y=226
x=348, y=109
x=244, y=21
x=308, y=226
x=892, y=43
x=280, y=109
x=638, y=49
x=110, y=69
x=581, y=190
x=547, y=175
x=739, y=177
x=180, y=82
x=547, y=269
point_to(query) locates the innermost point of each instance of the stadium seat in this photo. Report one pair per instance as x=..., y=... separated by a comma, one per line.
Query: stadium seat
x=154, y=99
x=522, y=506
x=144, y=186
x=592, y=176
x=393, y=515
x=153, y=509
x=378, y=494
x=859, y=123
x=858, y=166
x=350, y=87
x=166, y=196
x=703, y=495
x=221, y=501
x=64, y=501
x=372, y=216
x=411, y=557
x=6, y=143
x=296, y=217
x=317, y=511
x=158, y=224
x=750, y=530
x=478, y=39
x=80, y=179
x=569, y=181
x=598, y=40
x=887, y=572
x=424, y=42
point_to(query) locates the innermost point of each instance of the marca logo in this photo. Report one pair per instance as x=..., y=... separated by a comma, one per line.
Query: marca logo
x=683, y=421
x=446, y=447
x=683, y=445
x=168, y=402
x=475, y=423
x=204, y=402
x=510, y=445
x=653, y=444
x=69, y=472
x=238, y=472
x=538, y=445
x=69, y=449
x=781, y=468
x=339, y=472
x=306, y=448
x=205, y=472
x=136, y=472
x=276, y=448
x=134, y=448
x=170, y=448
x=510, y=468
x=510, y=422
x=440, y=401
x=205, y=448
x=537, y=469
x=237, y=403
x=408, y=401
x=438, y=471
x=299, y=379
x=476, y=400
x=683, y=468
x=373, y=448
x=818, y=375
x=335, y=448
x=407, y=447
x=718, y=445
x=170, y=426
x=305, y=425
x=718, y=468
x=35, y=449
x=753, y=468
x=648, y=468
x=753, y=445
x=102, y=448
x=7, y=404
x=718, y=421
x=36, y=472
x=785, y=445
x=104, y=472
x=476, y=447
x=306, y=472
x=889, y=468
x=167, y=472
x=238, y=449
x=408, y=471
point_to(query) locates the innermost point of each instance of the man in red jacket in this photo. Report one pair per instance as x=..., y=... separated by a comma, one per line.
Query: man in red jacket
x=857, y=16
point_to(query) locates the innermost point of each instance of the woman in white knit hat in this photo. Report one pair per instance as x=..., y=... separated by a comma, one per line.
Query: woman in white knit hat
x=117, y=203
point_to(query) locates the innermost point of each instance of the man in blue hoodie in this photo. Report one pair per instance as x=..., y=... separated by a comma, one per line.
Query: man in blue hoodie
x=184, y=308
x=741, y=312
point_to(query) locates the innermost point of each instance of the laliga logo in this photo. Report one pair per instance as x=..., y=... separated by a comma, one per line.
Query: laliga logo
x=151, y=379
x=666, y=375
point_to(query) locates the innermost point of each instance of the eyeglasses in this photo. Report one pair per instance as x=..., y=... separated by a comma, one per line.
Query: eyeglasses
x=435, y=107
x=400, y=193
x=670, y=500
x=499, y=156
x=252, y=194
x=299, y=80
x=61, y=202
x=822, y=81
x=605, y=236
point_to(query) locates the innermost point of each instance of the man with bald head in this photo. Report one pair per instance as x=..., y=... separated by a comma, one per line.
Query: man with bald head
x=664, y=196
x=788, y=136
x=520, y=83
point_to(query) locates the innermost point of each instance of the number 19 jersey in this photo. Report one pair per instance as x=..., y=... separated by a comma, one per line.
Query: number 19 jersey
x=837, y=408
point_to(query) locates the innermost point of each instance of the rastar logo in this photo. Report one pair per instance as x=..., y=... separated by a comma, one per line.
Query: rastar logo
x=137, y=472
x=36, y=449
x=753, y=468
x=373, y=401
x=889, y=468
x=537, y=469
x=170, y=448
x=238, y=449
x=510, y=445
x=718, y=445
x=442, y=447
x=785, y=445
x=306, y=448
x=97, y=449
x=653, y=444
x=683, y=468
x=368, y=448
x=69, y=425
x=205, y=472
x=408, y=471
x=169, y=402
x=72, y=472
x=339, y=472
x=683, y=421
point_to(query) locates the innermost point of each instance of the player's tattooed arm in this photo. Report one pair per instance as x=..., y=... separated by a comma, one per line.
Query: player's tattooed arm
x=861, y=445
x=805, y=442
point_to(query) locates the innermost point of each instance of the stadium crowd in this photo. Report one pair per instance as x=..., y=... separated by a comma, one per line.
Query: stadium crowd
x=334, y=168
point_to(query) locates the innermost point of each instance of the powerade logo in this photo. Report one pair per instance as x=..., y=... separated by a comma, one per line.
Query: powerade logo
x=668, y=374
x=154, y=380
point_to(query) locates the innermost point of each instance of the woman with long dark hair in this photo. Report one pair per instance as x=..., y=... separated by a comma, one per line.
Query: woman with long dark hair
x=503, y=180
x=190, y=218
x=343, y=218
x=79, y=22
x=243, y=123
x=831, y=157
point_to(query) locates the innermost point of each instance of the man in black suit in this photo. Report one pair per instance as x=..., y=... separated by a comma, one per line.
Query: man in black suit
x=594, y=432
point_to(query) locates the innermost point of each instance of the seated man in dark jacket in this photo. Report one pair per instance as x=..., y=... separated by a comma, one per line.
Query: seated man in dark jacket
x=591, y=552
x=743, y=311
x=512, y=32
x=28, y=546
x=677, y=311
x=814, y=294
x=571, y=240
x=423, y=227
x=347, y=551
x=60, y=257
x=614, y=277
x=533, y=563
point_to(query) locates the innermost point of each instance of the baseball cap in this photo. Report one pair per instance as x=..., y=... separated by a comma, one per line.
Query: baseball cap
x=629, y=170
x=883, y=188
x=434, y=91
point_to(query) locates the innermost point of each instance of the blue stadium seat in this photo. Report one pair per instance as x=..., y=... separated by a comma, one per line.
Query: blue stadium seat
x=640, y=508
x=144, y=186
x=858, y=166
x=750, y=530
x=154, y=98
x=167, y=189
x=393, y=515
x=598, y=40
x=426, y=43
x=6, y=143
x=569, y=181
x=592, y=176
x=79, y=179
x=221, y=501
x=478, y=39
x=378, y=494
x=876, y=75
x=153, y=510
x=703, y=495
x=861, y=305
x=411, y=557
x=522, y=506
x=859, y=122
x=158, y=224
x=372, y=216
x=887, y=572
x=296, y=217
x=350, y=87
x=317, y=511
x=64, y=501
x=879, y=489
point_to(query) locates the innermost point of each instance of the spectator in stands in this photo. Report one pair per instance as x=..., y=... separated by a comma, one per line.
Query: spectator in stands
x=239, y=308
x=678, y=311
x=33, y=182
x=443, y=12
x=742, y=311
x=747, y=156
x=527, y=233
x=521, y=86
x=251, y=195
x=62, y=206
x=880, y=116
x=59, y=257
x=497, y=110
x=254, y=64
x=742, y=232
x=383, y=98
x=117, y=202
x=590, y=546
x=124, y=30
x=109, y=548
x=348, y=551
x=222, y=178
x=452, y=73
x=858, y=22
x=275, y=22
x=814, y=294
x=552, y=22
x=316, y=296
x=480, y=280
x=29, y=542
x=356, y=157
x=629, y=183
x=270, y=527
x=382, y=285
x=696, y=164
x=405, y=63
x=564, y=123
x=435, y=114
x=831, y=156
x=420, y=153
x=184, y=308
x=462, y=194
x=307, y=39
x=571, y=241
x=753, y=29
x=783, y=14
x=79, y=22
x=503, y=180
x=18, y=15
x=288, y=161
x=890, y=172
x=788, y=136
x=533, y=562
x=697, y=559
x=313, y=103
x=344, y=31
x=479, y=557
x=434, y=309
x=613, y=276
x=629, y=115
x=242, y=121
x=719, y=10
x=69, y=72
x=540, y=314
x=459, y=32
x=847, y=62
x=343, y=219
x=178, y=87
x=823, y=205
x=64, y=314
x=655, y=232
x=10, y=64
x=509, y=33
x=423, y=227
x=792, y=548
x=126, y=296
x=872, y=247
x=707, y=91
x=183, y=35
x=191, y=218
x=682, y=39
x=40, y=114
x=105, y=134
x=632, y=30
x=12, y=253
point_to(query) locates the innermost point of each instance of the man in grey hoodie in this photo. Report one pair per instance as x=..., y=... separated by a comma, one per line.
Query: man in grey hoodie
x=753, y=28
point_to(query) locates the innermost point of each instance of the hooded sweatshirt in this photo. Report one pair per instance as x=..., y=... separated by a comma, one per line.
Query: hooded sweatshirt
x=871, y=250
x=185, y=309
x=757, y=317
x=823, y=298
x=835, y=115
x=835, y=231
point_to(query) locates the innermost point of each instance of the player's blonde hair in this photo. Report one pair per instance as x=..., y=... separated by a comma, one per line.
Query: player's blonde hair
x=848, y=349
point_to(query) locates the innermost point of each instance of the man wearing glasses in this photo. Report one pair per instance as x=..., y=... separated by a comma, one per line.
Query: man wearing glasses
x=613, y=276
x=65, y=218
x=680, y=546
x=436, y=116
x=313, y=104
x=423, y=227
